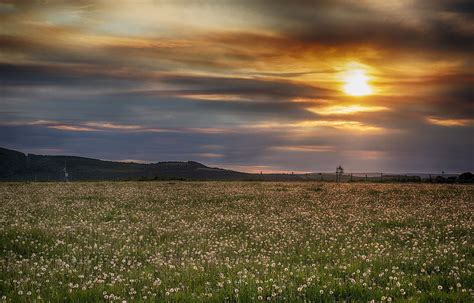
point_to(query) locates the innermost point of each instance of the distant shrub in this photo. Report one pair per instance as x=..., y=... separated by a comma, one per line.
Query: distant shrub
x=466, y=177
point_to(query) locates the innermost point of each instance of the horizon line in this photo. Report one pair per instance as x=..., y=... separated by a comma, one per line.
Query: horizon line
x=256, y=172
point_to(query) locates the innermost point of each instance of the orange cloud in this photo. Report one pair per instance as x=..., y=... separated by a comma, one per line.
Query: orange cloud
x=305, y=148
x=108, y=125
x=72, y=128
x=213, y=97
x=210, y=155
x=341, y=124
x=450, y=122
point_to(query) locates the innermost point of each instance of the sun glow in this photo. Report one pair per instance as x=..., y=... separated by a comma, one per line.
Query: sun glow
x=347, y=109
x=356, y=83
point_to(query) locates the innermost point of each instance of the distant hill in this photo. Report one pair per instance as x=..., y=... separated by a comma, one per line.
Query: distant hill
x=17, y=166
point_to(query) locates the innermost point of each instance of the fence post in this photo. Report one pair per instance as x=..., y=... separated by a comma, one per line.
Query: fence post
x=381, y=176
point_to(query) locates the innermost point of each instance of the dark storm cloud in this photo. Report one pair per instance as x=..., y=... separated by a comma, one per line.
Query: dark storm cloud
x=54, y=75
x=84, y=75
x=247, y=87
x=268, y=98
x=345, y=22
x=456, y=102
x=457, y=6
x=155, y=110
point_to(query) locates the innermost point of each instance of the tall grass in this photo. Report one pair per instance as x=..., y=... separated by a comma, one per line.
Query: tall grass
x=236, y=242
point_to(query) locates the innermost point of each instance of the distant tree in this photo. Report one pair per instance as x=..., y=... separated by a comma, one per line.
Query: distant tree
x=339, y=173
x=466, y=177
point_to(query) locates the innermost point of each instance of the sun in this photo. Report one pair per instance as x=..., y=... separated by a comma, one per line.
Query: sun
x=356, y=83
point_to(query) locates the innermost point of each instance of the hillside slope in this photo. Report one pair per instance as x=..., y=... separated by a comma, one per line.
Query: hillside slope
x=16, y=166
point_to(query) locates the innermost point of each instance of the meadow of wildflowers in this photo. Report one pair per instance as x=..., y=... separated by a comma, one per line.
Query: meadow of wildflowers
x=236, y=242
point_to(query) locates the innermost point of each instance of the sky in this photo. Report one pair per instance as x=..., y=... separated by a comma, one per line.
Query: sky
x=272, y=86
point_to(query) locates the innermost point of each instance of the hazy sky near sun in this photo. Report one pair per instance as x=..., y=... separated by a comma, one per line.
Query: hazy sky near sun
x=249, y=85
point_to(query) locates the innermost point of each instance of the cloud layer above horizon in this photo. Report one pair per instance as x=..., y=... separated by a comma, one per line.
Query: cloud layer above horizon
x=248, y=85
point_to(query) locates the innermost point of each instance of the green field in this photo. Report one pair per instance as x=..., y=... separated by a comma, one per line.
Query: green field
x=236, y=242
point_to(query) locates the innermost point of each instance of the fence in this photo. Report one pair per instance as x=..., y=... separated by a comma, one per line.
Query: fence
x=364, y=177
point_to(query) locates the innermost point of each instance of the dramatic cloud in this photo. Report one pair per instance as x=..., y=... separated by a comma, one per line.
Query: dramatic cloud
x=252, y=85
